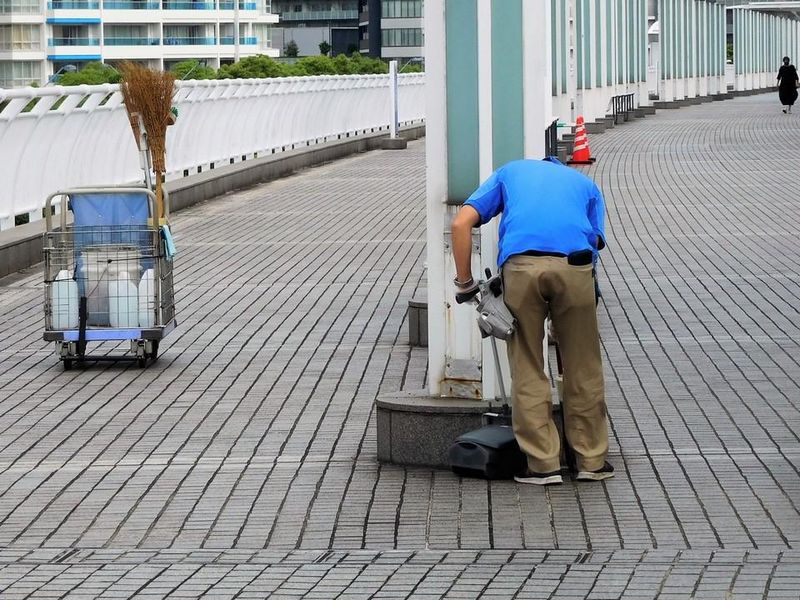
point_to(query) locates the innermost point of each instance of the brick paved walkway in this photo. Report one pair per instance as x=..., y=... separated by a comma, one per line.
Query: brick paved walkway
x=242, y=464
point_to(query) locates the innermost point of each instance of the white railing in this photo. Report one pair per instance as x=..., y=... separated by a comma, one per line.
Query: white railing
x=80, y=135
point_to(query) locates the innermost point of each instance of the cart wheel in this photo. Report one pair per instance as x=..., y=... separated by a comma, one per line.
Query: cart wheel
x=141, y=362
x=68, y=364
x=154, y=353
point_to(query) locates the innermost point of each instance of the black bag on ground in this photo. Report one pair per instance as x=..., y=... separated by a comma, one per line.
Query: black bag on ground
x=490, y=452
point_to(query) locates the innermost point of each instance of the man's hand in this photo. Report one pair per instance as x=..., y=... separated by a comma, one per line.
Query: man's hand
x=465, y=293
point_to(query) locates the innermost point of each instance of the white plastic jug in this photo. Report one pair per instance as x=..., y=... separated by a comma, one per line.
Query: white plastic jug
x=123, y=302
x=147, y=299
x=64, y=302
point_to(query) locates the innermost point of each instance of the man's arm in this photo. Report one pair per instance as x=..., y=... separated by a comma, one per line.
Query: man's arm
x=597, y=217
x=466, y=218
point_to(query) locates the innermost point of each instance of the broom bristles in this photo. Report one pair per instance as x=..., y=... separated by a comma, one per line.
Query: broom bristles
x=150, y=94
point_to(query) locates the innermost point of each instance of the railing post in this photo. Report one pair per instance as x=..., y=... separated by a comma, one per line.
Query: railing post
x=394, y=142
x=393, y=124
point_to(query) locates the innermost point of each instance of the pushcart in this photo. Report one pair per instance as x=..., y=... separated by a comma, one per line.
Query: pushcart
x=107, y=274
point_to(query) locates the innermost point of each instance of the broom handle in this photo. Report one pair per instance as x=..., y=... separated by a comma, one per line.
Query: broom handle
x=159, y=200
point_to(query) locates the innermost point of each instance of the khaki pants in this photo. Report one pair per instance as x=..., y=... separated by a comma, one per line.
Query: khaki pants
x=534, y=286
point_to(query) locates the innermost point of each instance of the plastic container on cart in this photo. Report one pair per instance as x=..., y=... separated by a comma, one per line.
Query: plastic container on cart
x=64, y=301
x=123, y=302
x=98, y=267
x=147, y=299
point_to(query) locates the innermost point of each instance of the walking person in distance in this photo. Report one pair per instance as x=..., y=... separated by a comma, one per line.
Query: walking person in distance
x=787, y=85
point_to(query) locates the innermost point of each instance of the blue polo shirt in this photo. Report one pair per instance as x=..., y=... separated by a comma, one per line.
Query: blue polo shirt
x=546, y=206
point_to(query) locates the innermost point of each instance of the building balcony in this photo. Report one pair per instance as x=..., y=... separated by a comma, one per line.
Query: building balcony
x=187, y=5
x=131, y=41
x=242, y=6
x=320, y=15
x=246, y=41
x=60, y=42
x=190, y=41
x=132, y=4
x=73, y=5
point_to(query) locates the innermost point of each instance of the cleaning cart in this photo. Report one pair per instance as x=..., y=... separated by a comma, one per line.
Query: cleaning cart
x=108, y=273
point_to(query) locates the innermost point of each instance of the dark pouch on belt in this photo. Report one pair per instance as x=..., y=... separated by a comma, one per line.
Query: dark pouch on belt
x=580, y=258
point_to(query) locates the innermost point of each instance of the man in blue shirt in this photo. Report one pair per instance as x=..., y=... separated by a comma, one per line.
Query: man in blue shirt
x=552, y=227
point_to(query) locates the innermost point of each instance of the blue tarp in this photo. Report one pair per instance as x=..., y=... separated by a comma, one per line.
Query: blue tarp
x=110, y=219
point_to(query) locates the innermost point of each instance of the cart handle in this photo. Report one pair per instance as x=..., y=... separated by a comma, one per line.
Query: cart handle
x=48, y=205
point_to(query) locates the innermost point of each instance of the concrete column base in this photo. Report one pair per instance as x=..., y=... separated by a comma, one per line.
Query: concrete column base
x=416, y=429
x=397, y=143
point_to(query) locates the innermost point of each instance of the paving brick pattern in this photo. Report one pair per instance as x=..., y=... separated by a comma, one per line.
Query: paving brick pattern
x=242, y=464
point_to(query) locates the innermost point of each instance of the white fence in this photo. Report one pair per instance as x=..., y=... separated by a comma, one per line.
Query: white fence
x=86, y=139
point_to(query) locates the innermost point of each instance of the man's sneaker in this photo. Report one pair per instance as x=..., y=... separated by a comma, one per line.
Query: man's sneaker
x=605, y=472
x=528, y=476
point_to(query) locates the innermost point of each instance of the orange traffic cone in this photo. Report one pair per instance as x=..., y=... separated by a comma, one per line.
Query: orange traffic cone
x=581, y=154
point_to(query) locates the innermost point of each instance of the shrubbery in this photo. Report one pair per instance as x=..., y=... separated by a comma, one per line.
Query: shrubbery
x=93, y=73
x=259, y=66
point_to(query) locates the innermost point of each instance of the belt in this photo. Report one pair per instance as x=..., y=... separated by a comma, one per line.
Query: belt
x=577, y=258
x=540, y=253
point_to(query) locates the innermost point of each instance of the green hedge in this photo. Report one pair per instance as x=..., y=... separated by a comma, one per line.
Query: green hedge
x=259, y=66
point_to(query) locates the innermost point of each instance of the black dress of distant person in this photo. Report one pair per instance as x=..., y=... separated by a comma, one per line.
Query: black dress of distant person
x=787, y=85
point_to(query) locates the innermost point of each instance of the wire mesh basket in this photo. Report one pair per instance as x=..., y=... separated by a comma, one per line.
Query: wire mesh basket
x=122, y=271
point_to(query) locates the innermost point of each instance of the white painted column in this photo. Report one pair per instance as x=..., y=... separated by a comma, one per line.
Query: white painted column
x=537, y=72
x=488, y=233
x=436, y=189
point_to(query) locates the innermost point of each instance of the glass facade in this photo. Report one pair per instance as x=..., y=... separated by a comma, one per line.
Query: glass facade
x=391, y=9
x=20, y=37
x=402, y=37
x=19, y=73
x=20, y=7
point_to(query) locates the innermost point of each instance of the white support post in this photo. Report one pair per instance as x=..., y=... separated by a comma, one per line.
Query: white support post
x=575, y=102
x=436, y=190
x=236, y=41
x=393, y=118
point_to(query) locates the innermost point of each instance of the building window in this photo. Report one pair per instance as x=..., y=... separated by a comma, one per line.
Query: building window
x=19, y=73
x=20, y=7
x=20, y=37
x=401, y=37
x=391, y=9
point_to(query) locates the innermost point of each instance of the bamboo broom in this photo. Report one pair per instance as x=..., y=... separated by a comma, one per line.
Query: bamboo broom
x=149, y=94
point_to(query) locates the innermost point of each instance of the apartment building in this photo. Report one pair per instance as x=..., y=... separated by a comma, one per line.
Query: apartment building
x=39, y=38
x=392, y=29
x=310, y=22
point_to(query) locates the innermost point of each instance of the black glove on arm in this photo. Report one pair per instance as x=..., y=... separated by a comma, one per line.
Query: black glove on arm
x=466, y=293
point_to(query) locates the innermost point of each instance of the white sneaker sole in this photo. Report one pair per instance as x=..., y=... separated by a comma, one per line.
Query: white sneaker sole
x=550, y=480
x=590, y=476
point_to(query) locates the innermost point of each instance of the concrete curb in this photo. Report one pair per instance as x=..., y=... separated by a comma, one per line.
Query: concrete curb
x=21, y=247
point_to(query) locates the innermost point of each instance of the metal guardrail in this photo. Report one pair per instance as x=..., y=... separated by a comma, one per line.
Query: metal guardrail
x=131, y=41
x=551, y=139
x=82, y=134
x=622, y=105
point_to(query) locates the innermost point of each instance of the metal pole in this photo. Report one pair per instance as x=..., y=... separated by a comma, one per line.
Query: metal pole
x=393, y=123
x=235, y=30
x=572, y=60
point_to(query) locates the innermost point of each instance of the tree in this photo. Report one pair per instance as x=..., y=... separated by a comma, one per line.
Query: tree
x=292, y=49
x=362, y=65
x=252, y=67
x=314, y=65
x=324, y=48
x=94, y=73
x=193, y=69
